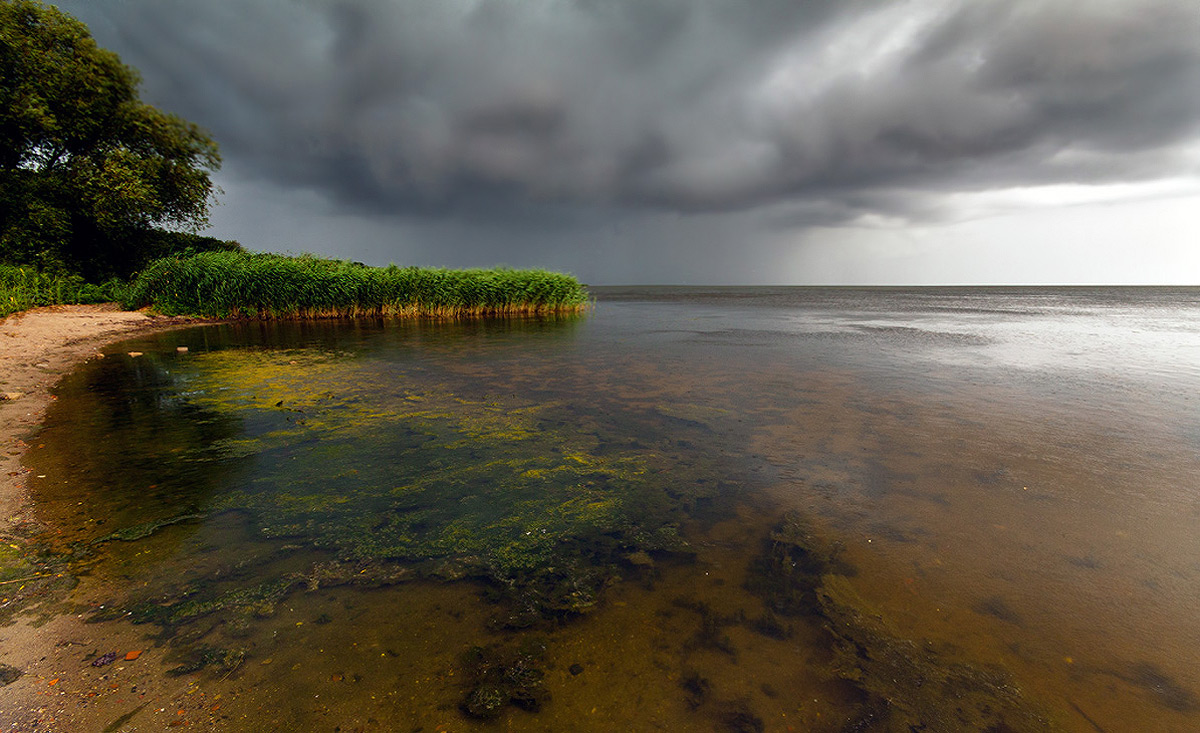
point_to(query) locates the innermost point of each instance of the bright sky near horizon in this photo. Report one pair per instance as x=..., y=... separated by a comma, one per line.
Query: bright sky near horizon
x=696, y=141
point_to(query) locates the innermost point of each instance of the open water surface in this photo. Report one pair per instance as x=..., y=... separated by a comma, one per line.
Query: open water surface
x=730, y=509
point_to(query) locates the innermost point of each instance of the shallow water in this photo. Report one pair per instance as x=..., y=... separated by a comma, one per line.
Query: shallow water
x=325, y=519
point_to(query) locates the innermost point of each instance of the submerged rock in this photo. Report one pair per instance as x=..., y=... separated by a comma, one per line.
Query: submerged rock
x=790, y=568
x=104, y=659
x=198, y=657
x=498, y=678
x=485, y=701
x=640, y=558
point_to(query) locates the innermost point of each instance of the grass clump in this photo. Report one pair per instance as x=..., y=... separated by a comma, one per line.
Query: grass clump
x=240, y=284
x=22, y=288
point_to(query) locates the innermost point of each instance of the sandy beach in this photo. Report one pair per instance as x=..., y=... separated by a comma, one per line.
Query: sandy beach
x=56, y=687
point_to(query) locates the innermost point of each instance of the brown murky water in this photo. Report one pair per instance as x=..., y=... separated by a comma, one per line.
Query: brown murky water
x=378, y=526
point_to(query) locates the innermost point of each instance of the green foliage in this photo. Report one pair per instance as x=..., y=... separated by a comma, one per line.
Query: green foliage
x=87, y=170
x=154, y=244
x=25, y=287
x=224, y=284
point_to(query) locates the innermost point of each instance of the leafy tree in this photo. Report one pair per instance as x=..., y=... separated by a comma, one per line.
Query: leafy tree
x=88, y=172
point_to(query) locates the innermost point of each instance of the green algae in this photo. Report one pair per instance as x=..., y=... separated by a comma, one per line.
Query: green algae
x=512, y=492
x=469, y=478
x=259, y=601
x=145, y=529
x=15, y=563
x=321, y=468
x=31, y=580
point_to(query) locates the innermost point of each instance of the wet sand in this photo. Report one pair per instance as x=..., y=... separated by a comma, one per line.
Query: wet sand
x=58, y=688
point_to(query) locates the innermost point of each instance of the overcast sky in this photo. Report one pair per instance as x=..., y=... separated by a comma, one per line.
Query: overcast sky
x=696, y=141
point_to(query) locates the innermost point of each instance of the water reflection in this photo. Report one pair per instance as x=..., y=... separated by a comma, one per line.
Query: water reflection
x=129, y=451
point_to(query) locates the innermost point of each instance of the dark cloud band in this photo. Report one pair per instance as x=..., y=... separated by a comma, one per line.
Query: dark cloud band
x=476, y=107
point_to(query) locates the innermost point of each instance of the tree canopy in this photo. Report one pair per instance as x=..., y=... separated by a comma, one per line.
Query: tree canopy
x=89, y=174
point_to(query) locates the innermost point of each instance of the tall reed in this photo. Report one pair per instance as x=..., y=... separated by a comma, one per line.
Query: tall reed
x=241, y=284
x=22, y=288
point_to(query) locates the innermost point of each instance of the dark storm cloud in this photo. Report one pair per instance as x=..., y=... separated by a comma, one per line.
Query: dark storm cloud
x=823, y=110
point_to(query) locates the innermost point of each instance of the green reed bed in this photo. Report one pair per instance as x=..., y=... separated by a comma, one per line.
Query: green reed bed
x=240, y=284
x=22, y=288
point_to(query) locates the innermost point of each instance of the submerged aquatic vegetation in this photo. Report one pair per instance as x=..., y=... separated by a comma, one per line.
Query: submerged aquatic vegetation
x=904, y=685
x=466, y=478
x=194, y=659
x=910, y=686
x=787, y=573
x=505, y=491
x=145, y=529
x=29, y=579
x=236, y=284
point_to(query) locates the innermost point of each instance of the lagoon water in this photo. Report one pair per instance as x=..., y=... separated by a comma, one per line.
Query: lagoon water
x=729, y=509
